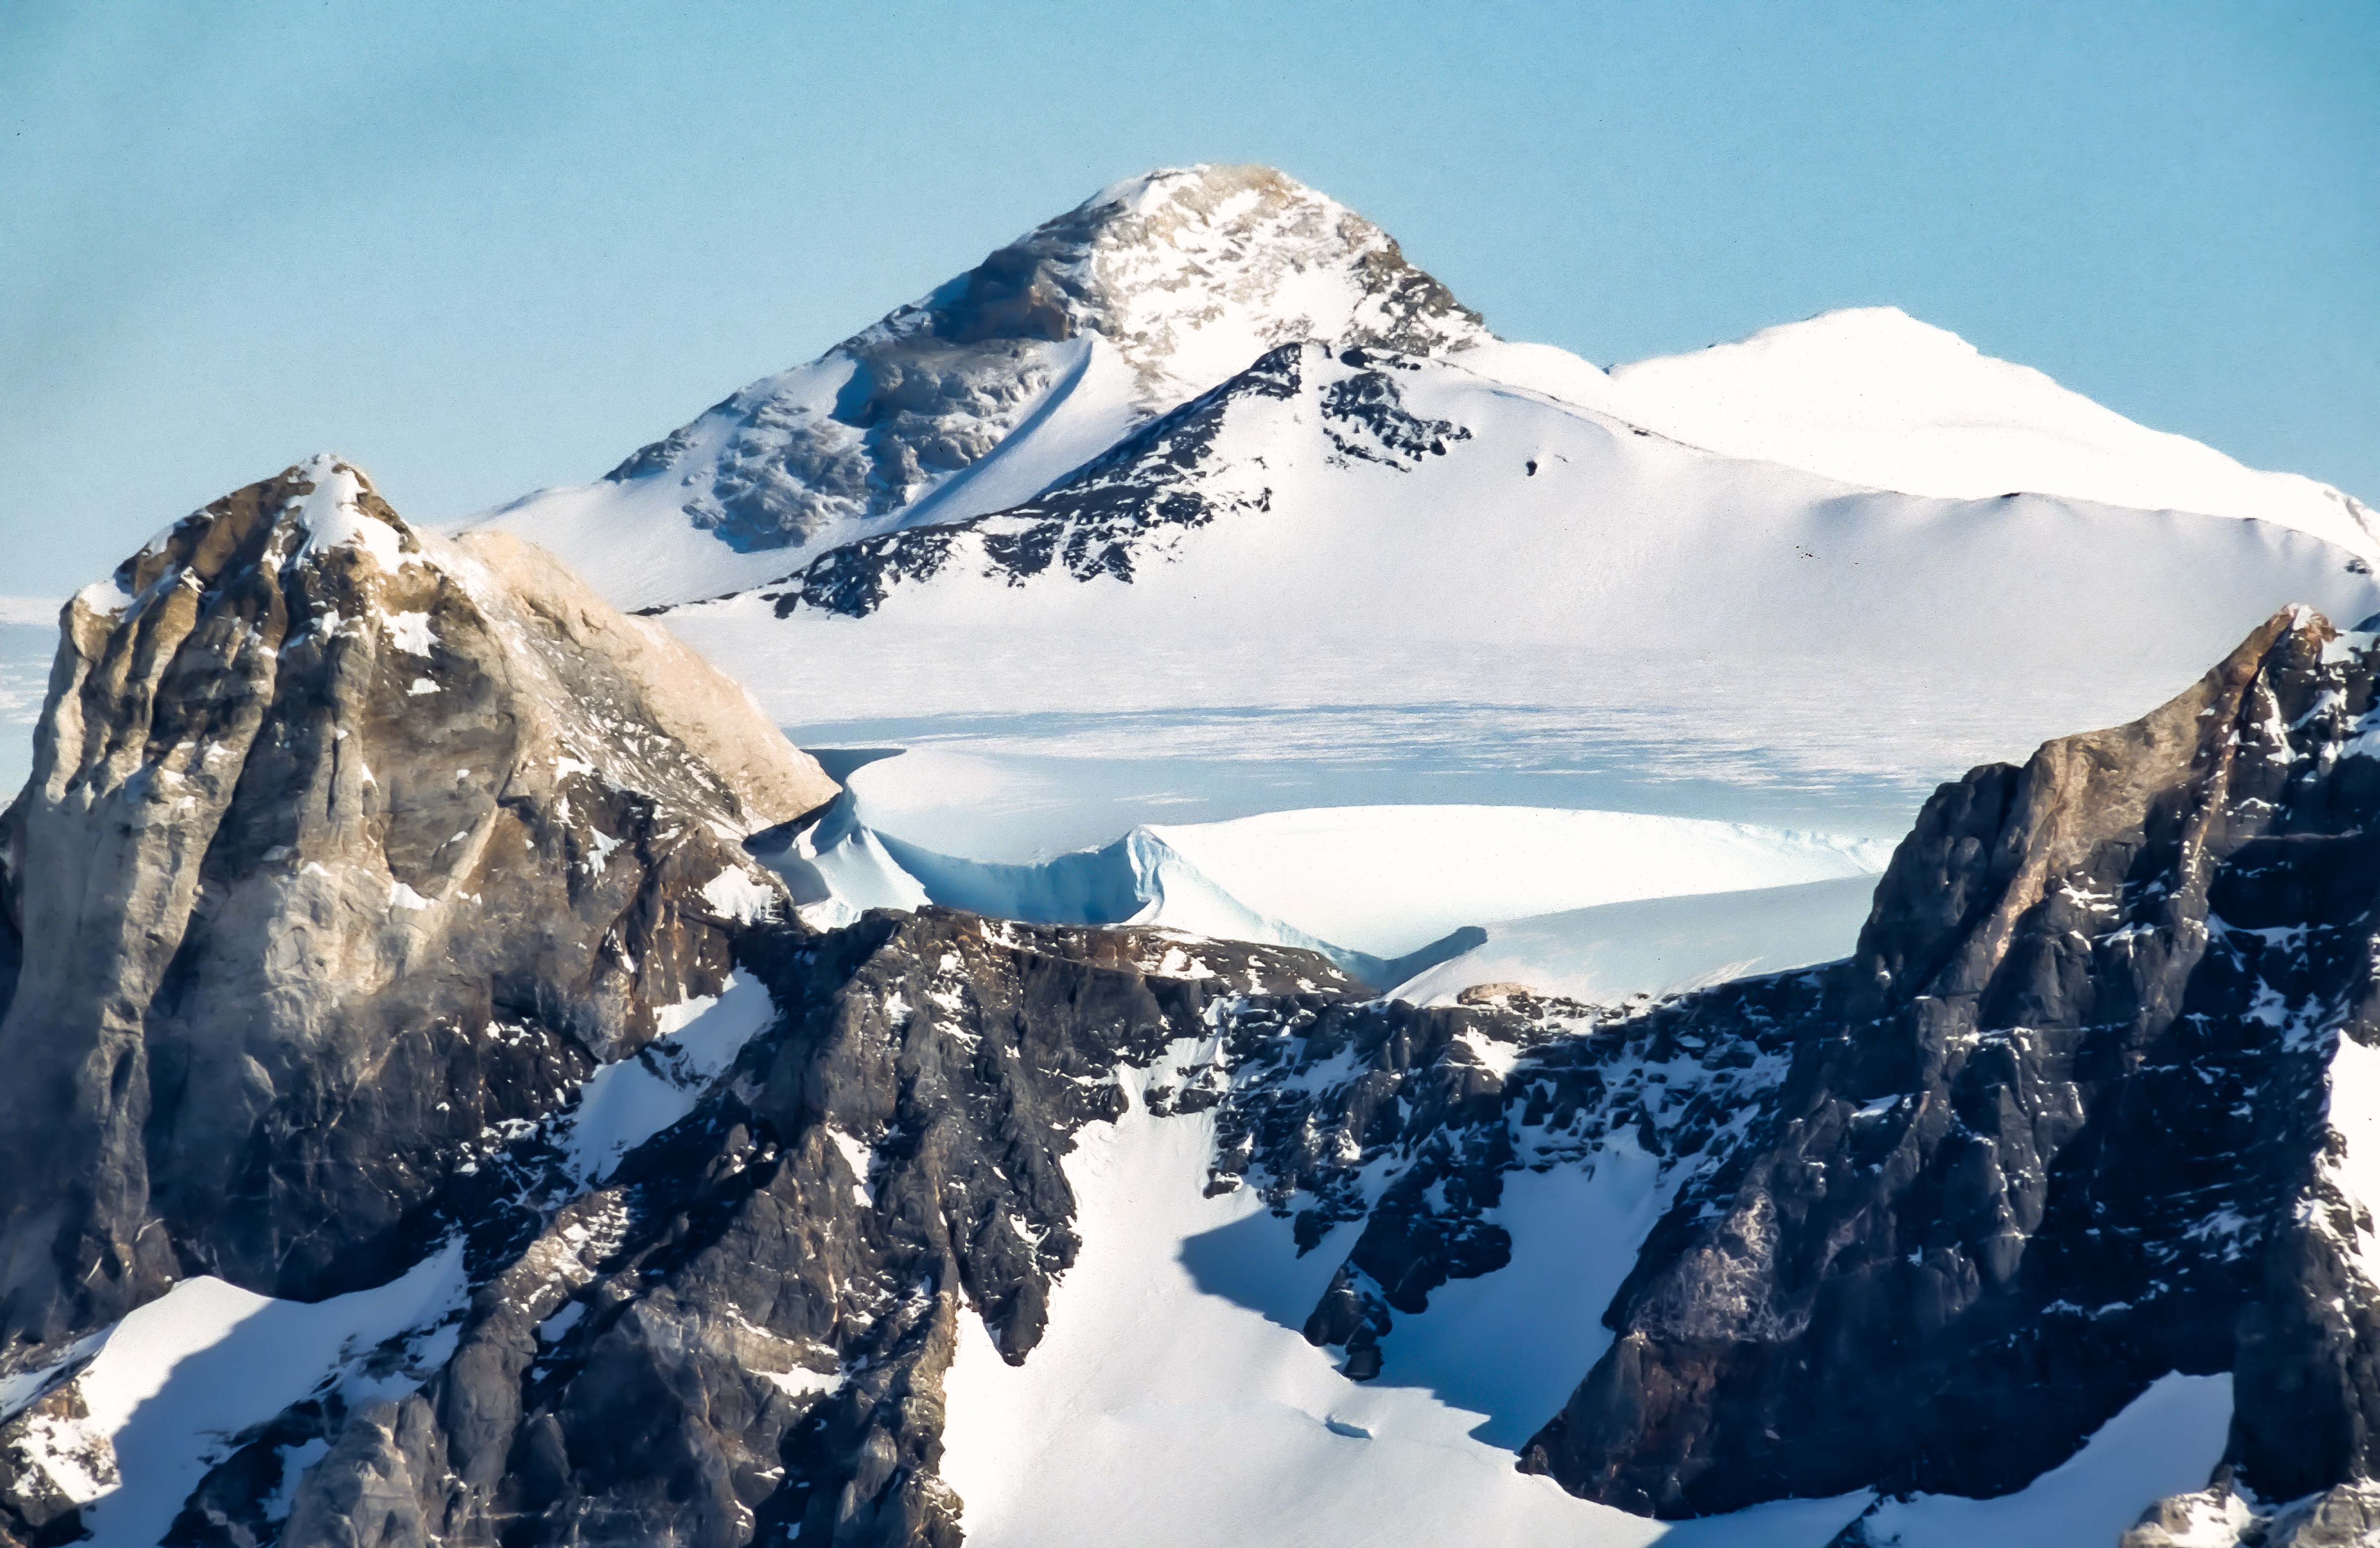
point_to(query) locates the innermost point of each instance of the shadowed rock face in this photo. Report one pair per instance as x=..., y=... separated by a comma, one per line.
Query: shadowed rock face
x=343, y=842
x=2079, y=1113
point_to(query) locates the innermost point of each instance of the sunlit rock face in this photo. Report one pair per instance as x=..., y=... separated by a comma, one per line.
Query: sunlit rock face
x=344, y=844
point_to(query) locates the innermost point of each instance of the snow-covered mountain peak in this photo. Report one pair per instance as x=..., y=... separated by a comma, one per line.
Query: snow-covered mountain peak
x=1879, y=358
x=1192, y=273
x=1001, y=381
x=1006, y=380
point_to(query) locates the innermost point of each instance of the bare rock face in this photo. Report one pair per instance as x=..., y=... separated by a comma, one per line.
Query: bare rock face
x=2093, y=1103
x=343, y=843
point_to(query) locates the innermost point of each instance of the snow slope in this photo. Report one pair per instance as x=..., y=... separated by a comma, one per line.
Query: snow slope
x=172, y=1383
x=1718, y=615
x=1172, y=1391
x=2171, y=1433
x=1368, y=884
x=1870, y=396
x=1658, y=946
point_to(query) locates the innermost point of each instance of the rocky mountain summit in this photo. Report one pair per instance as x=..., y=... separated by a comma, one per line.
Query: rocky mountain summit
x=344, y=846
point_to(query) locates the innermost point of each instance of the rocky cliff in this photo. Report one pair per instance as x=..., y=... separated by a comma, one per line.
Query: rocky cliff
x=2089, y=1104
x=739, y=1332
x=343, y=843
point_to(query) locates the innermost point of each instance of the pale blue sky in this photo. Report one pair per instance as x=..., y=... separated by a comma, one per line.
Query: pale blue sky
x=479, y=248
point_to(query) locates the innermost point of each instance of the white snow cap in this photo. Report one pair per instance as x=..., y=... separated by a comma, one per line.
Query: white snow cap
x=1873, y=397
x=332, y=514
x=1195, y=271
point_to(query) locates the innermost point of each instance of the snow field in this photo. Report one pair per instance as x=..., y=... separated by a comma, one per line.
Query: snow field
x=176, y=1378
x=1872, y=397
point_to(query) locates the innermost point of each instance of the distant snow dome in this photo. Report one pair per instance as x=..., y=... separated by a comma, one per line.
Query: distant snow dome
x=1872, y=397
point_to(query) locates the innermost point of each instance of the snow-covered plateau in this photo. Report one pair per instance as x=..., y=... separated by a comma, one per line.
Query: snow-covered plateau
x=1212, y=907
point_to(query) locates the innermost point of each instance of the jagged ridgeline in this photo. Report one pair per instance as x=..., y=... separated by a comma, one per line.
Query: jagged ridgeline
x=382, y=952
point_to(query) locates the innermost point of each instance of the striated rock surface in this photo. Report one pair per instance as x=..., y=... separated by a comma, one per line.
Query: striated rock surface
x=2093, y=1103
x=343, y=843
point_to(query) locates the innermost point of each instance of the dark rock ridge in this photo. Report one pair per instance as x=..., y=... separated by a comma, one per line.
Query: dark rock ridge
x=2089, y=1105
x=740, y=1333
x=935, y=387
x=343, y=842
x=1138, y=500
